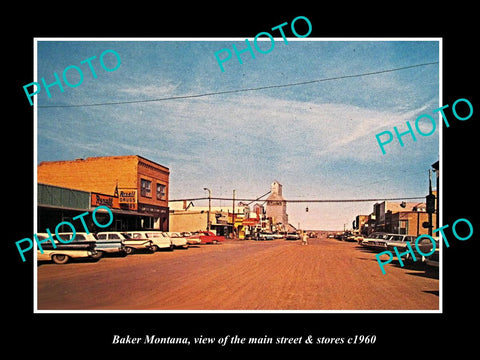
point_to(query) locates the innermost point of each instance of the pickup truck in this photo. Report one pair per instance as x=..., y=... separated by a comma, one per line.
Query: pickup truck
x=207, y=237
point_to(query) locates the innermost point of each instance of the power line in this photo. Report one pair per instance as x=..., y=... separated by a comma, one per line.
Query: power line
x=242, y=90
x=309, y=200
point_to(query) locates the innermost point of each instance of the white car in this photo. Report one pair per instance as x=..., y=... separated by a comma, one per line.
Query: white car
x=102, y=246
x=191, y=240
x=400, y=241
x=158, y=242
x=131, y=245
x=61, y=252
x=375, y=241
x=175, y=238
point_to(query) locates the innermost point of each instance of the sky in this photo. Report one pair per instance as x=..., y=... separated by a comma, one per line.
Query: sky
x=317, y=139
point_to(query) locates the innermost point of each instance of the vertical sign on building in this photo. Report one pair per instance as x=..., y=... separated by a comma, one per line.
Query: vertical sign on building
x=127, y=198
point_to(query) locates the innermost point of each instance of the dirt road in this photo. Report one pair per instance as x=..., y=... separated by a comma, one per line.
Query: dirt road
x=239, y=275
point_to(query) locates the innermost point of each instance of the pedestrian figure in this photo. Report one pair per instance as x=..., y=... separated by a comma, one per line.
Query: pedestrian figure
x=304, y=238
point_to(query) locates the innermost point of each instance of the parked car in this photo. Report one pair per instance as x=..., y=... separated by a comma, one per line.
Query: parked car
x=358, y=239
x=102, y=246
x=433, y=260
x=207, y=237
x=176, y=239
x=292, y=236
x=61, y=253
x=375, y=241
x=186, y=235
x=131, y=245
x=158, y=240
x=425, y=245
x=400, y=241
x=264, y=235
x=349, y=237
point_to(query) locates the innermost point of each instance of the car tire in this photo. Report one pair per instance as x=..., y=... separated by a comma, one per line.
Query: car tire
x=98, y=255
x=154, y=248
x=129, y=250
x=60, y=259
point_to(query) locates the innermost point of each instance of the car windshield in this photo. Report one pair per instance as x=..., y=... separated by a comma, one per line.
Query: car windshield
x=126, y=236
x=154, y=235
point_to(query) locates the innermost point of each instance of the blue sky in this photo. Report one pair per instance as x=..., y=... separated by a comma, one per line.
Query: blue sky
x=317, y=139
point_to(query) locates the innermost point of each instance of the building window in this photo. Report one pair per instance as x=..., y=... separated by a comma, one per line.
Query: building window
x=161, y=192
x=146, y=188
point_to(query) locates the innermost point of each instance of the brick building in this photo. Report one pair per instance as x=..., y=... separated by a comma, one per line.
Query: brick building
x=401, y=217
x=135, y=188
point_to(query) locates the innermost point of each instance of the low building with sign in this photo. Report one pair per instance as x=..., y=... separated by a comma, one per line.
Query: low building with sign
x=135, y=188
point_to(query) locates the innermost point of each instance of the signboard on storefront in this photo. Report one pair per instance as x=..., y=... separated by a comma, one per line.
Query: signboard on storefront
x=128, y=198
x=104, y=200
x=250, y=222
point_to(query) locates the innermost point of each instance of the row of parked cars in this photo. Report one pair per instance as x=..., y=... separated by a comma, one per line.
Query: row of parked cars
x=122, y=243
x=265, y=235
x=380, y=241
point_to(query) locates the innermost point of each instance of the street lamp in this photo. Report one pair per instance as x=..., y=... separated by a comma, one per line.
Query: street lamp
x=209, y=207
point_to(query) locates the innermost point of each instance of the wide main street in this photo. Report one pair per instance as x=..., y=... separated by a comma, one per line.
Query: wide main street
x=240, y=275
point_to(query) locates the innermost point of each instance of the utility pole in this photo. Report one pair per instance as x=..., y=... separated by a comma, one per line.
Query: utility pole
x=233, y=216
x=209, y=207
x=430, y=201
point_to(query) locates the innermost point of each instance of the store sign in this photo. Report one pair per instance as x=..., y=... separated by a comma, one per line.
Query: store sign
x=128, y=198
x=104, y=200
x=250, y=222
x=152, y=209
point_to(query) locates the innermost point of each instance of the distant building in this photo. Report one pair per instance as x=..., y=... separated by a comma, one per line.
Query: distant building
x=401, y=217
x=361, y=223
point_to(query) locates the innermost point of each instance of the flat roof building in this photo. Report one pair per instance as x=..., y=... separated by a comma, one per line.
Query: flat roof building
x=135, y=188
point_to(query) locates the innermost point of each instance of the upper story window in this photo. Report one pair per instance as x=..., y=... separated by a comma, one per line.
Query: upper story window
x=161, y=192
x=146, y=188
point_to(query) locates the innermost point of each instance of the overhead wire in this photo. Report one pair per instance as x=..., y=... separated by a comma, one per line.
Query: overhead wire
x=241, y=90
x=306, y=200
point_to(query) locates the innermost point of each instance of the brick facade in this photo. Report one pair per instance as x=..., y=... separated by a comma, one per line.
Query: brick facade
x=105, y=175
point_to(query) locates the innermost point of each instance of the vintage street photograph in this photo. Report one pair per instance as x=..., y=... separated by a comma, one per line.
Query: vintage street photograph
x=262, y=174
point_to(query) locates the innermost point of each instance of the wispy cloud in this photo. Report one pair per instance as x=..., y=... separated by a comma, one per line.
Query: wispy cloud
x=147, y=92
x=318, y=139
